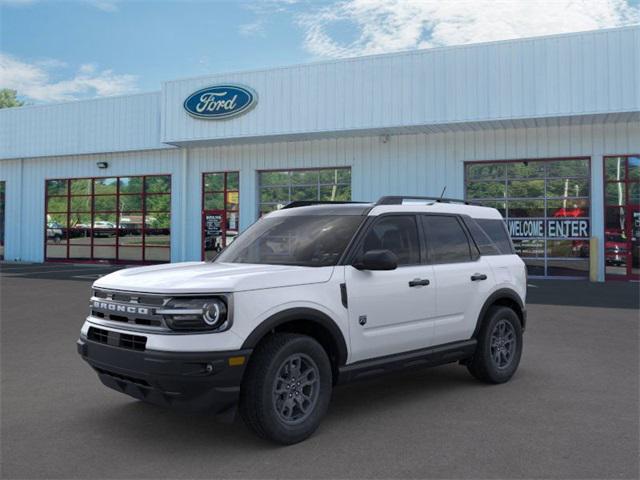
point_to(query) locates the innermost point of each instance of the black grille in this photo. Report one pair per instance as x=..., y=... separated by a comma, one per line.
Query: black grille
x=131, y=308
x=133, y=342
x=116, y=339
x=120, y=318
x=98, y=335
x=130, y=297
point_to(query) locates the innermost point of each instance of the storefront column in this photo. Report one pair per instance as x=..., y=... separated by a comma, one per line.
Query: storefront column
x=597, y=211
x=185, y=203
x=248, y=199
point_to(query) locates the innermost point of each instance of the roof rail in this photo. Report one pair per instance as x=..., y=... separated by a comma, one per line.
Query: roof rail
x=399, y=199
x=308, y=203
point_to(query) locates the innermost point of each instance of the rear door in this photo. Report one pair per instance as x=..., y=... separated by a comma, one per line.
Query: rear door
x=391, y=311
x=463, y=278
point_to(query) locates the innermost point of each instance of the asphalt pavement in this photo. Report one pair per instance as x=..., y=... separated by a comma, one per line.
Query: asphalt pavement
x=571, y=411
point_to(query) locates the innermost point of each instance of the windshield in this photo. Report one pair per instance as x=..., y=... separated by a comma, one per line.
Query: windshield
x=305, y=240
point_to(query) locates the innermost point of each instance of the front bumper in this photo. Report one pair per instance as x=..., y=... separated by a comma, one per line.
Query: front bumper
x=188, y=380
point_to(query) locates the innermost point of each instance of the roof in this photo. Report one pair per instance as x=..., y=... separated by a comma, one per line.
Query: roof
x=371, y=209
x=474, y=211
x=354, y=208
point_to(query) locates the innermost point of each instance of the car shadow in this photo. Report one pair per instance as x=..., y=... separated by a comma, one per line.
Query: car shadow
x=194, y=433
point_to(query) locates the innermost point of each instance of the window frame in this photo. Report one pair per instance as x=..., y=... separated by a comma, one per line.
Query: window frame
x=474, y=251
x=144, y=247
x=289, y=185
x=626, y=207
x=351, y=253
x=545, y=260
x=225, y=210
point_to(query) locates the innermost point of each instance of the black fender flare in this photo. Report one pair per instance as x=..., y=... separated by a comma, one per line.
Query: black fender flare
x=502, y=293
x=305, y=314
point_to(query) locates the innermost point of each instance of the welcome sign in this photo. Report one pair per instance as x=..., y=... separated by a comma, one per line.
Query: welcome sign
x=220, y=102
x=552, y=228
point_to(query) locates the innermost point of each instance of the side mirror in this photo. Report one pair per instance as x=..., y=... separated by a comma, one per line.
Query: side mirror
x=377, y=260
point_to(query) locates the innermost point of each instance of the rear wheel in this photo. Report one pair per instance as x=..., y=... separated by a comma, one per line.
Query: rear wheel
x=499, y=346
x=287, y=388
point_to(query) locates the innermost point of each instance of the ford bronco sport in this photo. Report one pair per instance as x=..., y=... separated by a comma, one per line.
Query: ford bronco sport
x=309, y=297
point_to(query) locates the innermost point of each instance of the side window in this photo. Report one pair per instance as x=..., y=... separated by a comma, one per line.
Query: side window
x=446, y=240
x=482, y=240
x=497, y=231
x=396, y=233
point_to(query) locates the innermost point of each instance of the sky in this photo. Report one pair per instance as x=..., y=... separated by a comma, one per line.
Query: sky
x=55, y=50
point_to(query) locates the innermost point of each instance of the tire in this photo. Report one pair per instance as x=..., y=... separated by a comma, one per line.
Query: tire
x=275, y=409
x=497, y=364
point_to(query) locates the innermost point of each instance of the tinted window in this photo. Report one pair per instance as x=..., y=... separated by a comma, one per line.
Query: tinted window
x=396, y=233
x=446, y=240
x=498, y=233
x=481, y=239
x=312, y=241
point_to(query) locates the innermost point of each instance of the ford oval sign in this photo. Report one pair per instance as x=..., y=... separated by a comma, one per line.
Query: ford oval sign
x=220, y=102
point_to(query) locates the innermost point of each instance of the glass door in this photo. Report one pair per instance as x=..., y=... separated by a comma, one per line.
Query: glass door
x=214, y=233
x=622, y=217
x=220, y=205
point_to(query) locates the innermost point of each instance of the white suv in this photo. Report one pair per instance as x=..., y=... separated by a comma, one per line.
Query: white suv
x=308, y=297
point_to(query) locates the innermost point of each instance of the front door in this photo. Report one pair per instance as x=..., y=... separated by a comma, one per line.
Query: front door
x=622, y=217
x=391, y=311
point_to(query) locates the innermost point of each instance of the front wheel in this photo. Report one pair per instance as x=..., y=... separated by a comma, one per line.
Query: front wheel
x=499, y=346
x=287, y=388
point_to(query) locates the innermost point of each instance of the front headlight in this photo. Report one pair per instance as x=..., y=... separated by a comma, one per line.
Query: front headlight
x=211, y=314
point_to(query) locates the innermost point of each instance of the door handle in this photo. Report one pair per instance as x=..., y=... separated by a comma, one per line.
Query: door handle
x=419, y=282
x=478, y=276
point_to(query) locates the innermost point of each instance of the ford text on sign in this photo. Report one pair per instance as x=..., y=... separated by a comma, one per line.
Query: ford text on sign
x=563, y=228
x=220, y=101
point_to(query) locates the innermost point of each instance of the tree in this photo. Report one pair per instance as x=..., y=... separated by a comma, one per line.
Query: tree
x=8, y=98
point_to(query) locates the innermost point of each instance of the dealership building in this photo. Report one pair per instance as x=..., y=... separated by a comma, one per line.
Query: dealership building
x=545, y=129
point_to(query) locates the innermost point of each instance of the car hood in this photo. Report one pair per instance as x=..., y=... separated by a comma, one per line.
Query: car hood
x=204, y=277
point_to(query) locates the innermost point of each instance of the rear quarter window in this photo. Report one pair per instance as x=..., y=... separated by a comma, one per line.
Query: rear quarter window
x=482, y=240
x=496, y=230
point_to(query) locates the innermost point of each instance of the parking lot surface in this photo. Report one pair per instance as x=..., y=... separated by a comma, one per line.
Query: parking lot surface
x=571, y=411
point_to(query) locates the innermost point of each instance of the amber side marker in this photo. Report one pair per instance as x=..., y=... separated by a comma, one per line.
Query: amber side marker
x=236, y=361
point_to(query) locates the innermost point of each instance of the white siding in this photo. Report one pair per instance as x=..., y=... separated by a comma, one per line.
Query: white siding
x=25, y=195
x=112, y=124
x=593, y=73
x=417, y=164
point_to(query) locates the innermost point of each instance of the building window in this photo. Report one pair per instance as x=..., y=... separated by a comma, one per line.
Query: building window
x=622, y=217
x=116, y=219
x=2, y=187
x=546, y=205
x=220, y=211
x=277, y=188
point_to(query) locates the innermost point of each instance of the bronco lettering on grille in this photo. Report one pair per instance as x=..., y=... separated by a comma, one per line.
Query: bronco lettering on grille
x=115, y=307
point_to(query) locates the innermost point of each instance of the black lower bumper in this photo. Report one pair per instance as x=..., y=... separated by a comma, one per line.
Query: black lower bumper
x=193, y=381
